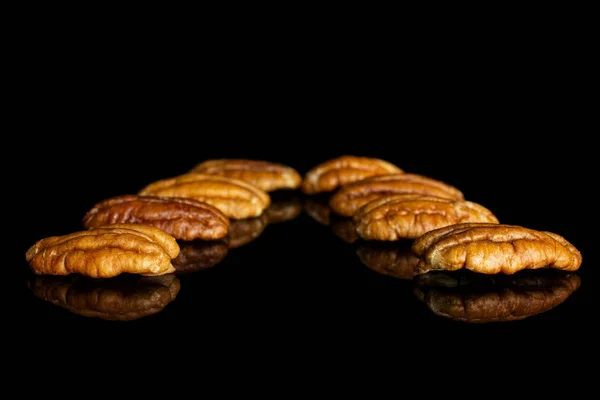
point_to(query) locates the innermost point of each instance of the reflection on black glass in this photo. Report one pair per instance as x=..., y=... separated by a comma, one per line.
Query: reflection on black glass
x=318, y=209
x=199, y=255
x=393, y=259
x=470, y=297
x=244, y=231
x=123, y=298
x=283, y=209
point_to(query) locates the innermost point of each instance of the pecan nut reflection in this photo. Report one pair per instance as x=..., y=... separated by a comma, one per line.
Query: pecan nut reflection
x=199, y=255
x=124, y=298
x=244, y=231
x=391, y=259
x=470, y=297
x=283, y=210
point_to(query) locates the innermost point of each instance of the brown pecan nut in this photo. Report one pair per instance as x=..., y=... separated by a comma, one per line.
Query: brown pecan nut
x=105, y=252
x=125, y=298
x=265, y=175
x=350, y=198
x=391, y=259
x=235, y=198
x=244, y=231
x=409, y=216
x=493, y=249
x=185, y=219
x=200, y=255
x=484, y=299
x=283, y=210
x=331, y=174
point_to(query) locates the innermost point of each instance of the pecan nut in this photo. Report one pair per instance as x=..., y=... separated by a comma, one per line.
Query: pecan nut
x=185, y=219
x=105, y=252
x=125, y=298
x=411, y=215
x=493, y=249
x=200, y=255
x=390, y=259
x=244, y=231
x=331, y=174
x=348, y=199
x=344, y=229
x=265, y=175
x=481, y=298
x=235, y=198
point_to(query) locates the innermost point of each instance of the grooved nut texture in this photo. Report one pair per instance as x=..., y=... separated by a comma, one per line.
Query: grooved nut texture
x=105, y=252
x=185, y=219
x=235, y=198
x=411, y=215
x=330, y=175
x=348, y=199
x=493, y=249
x=265, y=175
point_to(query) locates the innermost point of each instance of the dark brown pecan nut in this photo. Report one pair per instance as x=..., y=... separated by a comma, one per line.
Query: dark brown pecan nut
x=265, y=175
x=199, y=255
x=348, y=199
x=235, y=198
x=125, y=298
x=493, y=249
x=244, y=231
x=185, y=219
x=391, y=259
x=105, y=252
x=483, y=299
x=410, y=216
x=330, y=175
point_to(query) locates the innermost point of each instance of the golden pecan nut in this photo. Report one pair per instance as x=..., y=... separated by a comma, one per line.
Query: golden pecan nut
x=185, y=219
x=348, y=199
x=265, y=175
x=493, y=249
x=410, y=216
x=105, y=252
x=328, y=176
x=234, y=198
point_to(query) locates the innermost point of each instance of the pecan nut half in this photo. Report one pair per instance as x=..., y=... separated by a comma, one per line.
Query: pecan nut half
x=200, y=255
x=484, y=299
x=185, y=219
x=265, y=175
x=244, y=231
x=493, y=249
x=331, y=174
x=105, y=252
x=235, y=198
x=125, y=298
x=411, y=215
x=390, y=259
x=348, y=199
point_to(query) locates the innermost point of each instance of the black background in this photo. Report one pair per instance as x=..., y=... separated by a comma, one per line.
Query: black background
x=506, y=131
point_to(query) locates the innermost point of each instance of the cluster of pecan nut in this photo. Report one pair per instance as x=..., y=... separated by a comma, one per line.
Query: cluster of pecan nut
x=137, y=233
